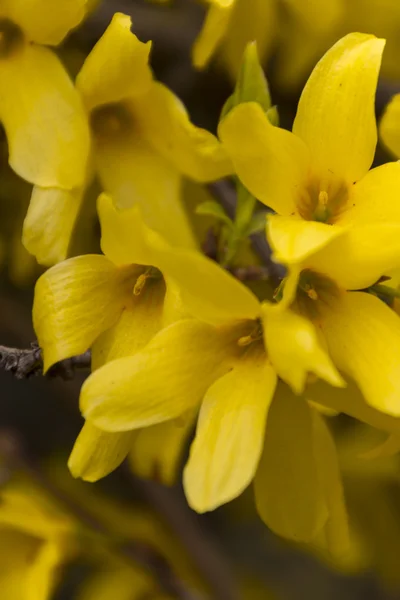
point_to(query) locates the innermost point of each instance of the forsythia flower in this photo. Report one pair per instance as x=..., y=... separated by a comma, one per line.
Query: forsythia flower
x=111, y=305
x=35, y=539
x=317, y=177
x=390, y=126
x=228, y=362
x=231, y=24
x=142, y=144
x=41, y=112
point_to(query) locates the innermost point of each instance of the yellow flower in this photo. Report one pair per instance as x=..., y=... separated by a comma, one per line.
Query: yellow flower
x=390, y=126
x=142, y=144
x=41, y=112
x=111, y=305
x=35, y=539
x=227, y=361
x=231, y=24
x=317, y=177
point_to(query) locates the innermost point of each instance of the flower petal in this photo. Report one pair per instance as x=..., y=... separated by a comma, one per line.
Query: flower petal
x=230, y=433
x=117, y=67
x=165, y=124
x=360, y=257
x=389, y=127
x=336, y=112
x=289, y=496
x=294, y=349
x=293, y=239
x=46, y=126
x=208, y=292
x=41, y=576
x=49, y=223
x=135, y=175
x=139, y=322
x=97, y=453
x=214, y=29
x=363, y=338
x=271, y=162
x=163, y=381
x=374, y=199
x=75, y=301
x=157, y=451
x=44, y=22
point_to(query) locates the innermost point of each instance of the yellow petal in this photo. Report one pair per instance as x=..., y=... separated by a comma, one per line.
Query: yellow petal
x=157, y=451
x=374, y=199
x=389, y=447
x=389, y=127
x=44, y=22
x=308, y=14
x=75, y=301
x=360, y=257
x=165, y=124
x=293, y=239
x=136, y=175
x=337, y=533
x=117, y=67
x=289, y=496
x=46, y=125
x=140, y=320
x=271, y=162
x=336, y=112
x=294, y=350
x=230, y=434
x=209, y=292
x=163, y=381
x=214, y=29
x=363, y=337
x=97, y=453
x=49, y=223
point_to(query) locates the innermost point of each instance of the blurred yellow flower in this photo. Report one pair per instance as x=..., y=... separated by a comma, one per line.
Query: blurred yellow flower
x=390, y=126
x=317, y=177
x=142, y=144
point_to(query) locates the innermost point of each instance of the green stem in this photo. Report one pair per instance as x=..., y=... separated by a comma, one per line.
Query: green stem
x=385, y=290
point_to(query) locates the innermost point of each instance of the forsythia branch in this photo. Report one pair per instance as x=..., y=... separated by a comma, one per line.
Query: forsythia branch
x=25, y=363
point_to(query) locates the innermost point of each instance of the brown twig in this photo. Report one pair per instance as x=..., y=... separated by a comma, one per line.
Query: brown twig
x=25, y=363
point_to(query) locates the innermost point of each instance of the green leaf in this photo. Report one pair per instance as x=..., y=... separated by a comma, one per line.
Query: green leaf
x=258, y=223
x=273, y=116
x=213, y=209
x=252, y=85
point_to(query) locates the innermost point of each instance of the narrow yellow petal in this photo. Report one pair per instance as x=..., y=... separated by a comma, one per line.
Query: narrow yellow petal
x=97, y=453
x=158, y=451
x=289, y=495
x=165, y=124
x=293, y=239
x=46, y=126
x=49, y=223
x=389, y=128
x=360, y=257
x=214, y=29
x=136, y=175
x=389, y=447
x=363, y=338
x=230, y=433
x=294, y=349
x=117, y=67
x=43, y=573
x=163, y=381
x=43, y=21
x=336, y=112
x=271, y=162
x=75, y=301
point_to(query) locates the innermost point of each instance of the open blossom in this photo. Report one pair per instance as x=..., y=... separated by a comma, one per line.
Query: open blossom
x=317, y=177
x=225, y=361
x=42, y=114
x=142, y=144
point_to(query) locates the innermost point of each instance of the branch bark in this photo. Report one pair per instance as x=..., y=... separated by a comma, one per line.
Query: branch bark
x=25, y=363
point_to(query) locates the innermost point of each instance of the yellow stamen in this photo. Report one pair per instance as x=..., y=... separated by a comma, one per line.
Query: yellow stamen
x=140, y=283
x=246, y=340
x=323, y=198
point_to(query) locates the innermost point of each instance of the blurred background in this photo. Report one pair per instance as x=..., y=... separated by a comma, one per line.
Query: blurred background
x=230, y=549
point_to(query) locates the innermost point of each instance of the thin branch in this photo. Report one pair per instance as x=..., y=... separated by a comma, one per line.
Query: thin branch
x=25, y=363
x=134, y=551
x=224, y=191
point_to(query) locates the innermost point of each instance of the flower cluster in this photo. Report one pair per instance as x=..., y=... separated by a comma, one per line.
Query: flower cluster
x=186, y=348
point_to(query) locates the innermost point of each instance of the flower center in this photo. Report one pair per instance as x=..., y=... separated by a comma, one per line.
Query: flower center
x=314, y=291
x=11, y=38
x=141, y=281
x=110, y=120
x=253, y=333
x=322, y=203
